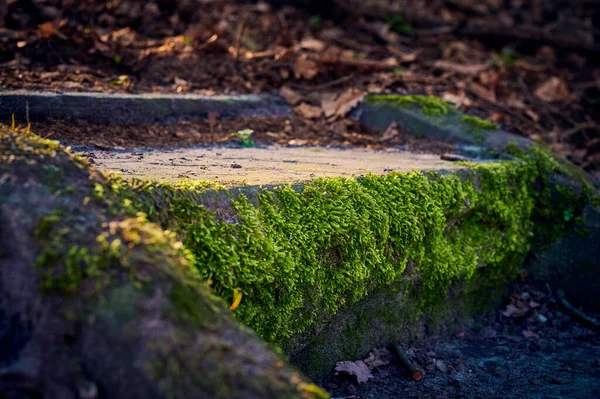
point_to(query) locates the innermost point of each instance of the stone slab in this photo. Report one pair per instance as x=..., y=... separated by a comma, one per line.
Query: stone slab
x=261, y=166
x=132, y=109
x=447, y=128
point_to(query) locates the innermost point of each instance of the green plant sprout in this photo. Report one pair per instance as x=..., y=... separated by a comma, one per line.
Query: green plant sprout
x=398, y=25
x=244, y=135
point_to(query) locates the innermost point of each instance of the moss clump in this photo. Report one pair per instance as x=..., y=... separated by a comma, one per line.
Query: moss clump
x=300, y=256
x=476, y=124
x=429, y=105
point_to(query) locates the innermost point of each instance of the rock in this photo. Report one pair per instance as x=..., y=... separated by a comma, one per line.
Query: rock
x=97, y=303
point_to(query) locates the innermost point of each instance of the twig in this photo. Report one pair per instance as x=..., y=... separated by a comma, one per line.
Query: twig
x=354, y=63
x=415, y=373
x=579, y=127
x=324, y=85
x=238, y=36
x=576, y=312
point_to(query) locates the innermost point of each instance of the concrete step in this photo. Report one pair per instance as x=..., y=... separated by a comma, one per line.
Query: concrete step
x=260, y=166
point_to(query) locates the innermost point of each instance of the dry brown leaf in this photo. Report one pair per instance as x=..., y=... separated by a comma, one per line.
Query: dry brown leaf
x=460, y=100
x=290, y=95
x=554, y=89
x=529, y=334
x=482, y=92
x=513, y=311
x=391, y=131
x=46, y=30
x=357, y=368
x=339, y=106
x=523, y=64
x=402, y=56
x=313, y=45
x=305, y=68
x=384, y=31
x=472, y=69
x=309, y=111
x=378, y=358
x=514, y=101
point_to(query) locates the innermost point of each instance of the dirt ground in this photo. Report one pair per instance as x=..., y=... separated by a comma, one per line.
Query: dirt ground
x=530, y=66
x=292, y=131
x=538, y=351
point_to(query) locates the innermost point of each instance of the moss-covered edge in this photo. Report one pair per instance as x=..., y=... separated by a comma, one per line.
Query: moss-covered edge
x=128, y=248
x=435, y=108
x=298, y=256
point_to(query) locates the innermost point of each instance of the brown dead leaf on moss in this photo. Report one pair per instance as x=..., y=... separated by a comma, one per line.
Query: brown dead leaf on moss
x=357, y=368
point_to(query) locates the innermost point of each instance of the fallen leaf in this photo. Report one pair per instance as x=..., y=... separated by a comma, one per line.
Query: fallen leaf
x=523, y=64
x=513, y=311
x=309, y=111
x=534, y=304
x=554, y=89
x=180, y=82
x=440, y=365
x=460, y=100
x=305, y=68
x=529, y=334
x=482, y=92
x=357, y=368
x=391, y=131
x=312, y=44
x=46, y=30
x=472, y=69
x=291, y=96
x=339, y=106
x=378, y=358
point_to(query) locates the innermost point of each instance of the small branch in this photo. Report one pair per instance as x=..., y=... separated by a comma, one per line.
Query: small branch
x=354, y=63
x=325, y=85
x=579, y=127
x=576, y=312
x=415, y=373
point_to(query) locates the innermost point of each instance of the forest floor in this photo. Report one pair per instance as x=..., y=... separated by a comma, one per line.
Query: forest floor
x=532, y=348
x=530, y=67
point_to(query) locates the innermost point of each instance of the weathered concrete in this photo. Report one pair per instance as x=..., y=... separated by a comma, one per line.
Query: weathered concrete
x=132, y=109
x=260, y=166
x=446, y=127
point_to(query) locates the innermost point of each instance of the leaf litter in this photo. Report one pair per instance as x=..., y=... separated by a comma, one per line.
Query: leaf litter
x=529, y=66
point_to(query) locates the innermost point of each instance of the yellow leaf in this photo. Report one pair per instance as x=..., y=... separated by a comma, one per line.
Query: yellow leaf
x=237, y=298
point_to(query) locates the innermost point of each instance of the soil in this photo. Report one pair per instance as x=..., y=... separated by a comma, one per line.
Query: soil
x=540, y=351
x=529, y=66
x=293, y=130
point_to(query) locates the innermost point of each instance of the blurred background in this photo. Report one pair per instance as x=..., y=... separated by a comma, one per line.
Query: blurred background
x=530, y=66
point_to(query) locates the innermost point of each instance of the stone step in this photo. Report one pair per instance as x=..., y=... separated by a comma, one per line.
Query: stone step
x=260, y=166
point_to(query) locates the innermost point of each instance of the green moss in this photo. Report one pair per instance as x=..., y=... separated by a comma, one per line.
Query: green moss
x=429, y=105
x=301, y=255
x=478, y=126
